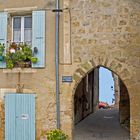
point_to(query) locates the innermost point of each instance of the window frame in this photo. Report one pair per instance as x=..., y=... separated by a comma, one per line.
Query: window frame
x=22, y=28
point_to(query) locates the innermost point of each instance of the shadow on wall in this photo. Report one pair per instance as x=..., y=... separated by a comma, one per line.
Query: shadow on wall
x=86, y=96
x=83, y=99
x=124, y=106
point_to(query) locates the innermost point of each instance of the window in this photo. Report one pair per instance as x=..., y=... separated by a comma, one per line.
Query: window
x=27, y=29
x=22, y=29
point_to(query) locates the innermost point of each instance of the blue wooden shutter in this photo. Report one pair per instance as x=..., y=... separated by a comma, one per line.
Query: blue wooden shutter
x=25, y=117
x=20, y=117
x=10, y=117
x=38, y=37
x=3, y=33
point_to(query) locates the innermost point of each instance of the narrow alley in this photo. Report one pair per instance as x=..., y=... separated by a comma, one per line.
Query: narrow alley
x=102, y=125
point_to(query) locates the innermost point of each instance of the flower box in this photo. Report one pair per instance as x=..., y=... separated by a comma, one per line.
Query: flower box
x=19, y=55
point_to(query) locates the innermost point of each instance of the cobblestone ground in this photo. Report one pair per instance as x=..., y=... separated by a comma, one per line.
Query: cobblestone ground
x=102, y=125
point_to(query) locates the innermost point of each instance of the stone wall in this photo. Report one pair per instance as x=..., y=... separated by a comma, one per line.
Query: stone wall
x=105, y=33
x=116, y=89
x=86, y=96
x=96, y=90
x=83, y=99
x=124, y=106
x=122, y=101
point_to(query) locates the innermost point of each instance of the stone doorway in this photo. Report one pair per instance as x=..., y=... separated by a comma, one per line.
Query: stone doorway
x=92, y=123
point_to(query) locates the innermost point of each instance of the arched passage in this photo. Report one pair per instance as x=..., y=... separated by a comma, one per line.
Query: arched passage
x=86, y=110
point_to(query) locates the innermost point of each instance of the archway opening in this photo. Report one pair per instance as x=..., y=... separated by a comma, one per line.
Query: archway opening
x=100, y=113
x=107, y=86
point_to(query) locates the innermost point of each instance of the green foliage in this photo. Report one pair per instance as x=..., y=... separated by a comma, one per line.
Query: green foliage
x=19, y=55
x=56, y=135
x=9, y=64
x=34, y=59
x=2, y=47
x=27, y=51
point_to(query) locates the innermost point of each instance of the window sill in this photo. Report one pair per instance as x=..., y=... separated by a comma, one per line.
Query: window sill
x=21, y=70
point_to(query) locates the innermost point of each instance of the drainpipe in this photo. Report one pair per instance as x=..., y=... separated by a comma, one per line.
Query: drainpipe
x=57, y=10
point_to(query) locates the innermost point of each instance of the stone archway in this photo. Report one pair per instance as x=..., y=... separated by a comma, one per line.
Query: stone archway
x=87, y=67
x=112, y=65
x=103, y=33
x=124, y=105
x=125, y=72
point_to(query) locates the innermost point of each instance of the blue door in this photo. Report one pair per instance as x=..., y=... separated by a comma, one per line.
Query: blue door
x=19, y=117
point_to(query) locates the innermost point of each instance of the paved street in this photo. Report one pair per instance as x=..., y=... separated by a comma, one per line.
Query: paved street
x=103, y=125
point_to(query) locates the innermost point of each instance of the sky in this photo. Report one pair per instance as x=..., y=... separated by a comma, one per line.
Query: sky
x=105, y=83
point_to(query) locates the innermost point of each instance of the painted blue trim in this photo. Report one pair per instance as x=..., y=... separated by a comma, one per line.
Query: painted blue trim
x=20, y=116
x=3, y=33
x=38, y=37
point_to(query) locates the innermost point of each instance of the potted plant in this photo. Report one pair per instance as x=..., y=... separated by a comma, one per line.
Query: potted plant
x=55, y=134
x=2, y=47
x=20, y=55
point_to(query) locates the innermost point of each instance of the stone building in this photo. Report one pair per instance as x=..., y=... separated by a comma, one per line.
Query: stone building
x=116, y=90
x=86, y=96
x=93, y=33
x=122, y=101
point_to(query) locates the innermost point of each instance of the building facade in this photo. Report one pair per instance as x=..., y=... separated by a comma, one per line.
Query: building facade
x=92, y=34
x=116, y=90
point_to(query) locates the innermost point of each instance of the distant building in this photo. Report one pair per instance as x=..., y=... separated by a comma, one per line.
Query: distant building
x=116, y=90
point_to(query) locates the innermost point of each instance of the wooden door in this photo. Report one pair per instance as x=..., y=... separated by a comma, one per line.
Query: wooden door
x=19, y=116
